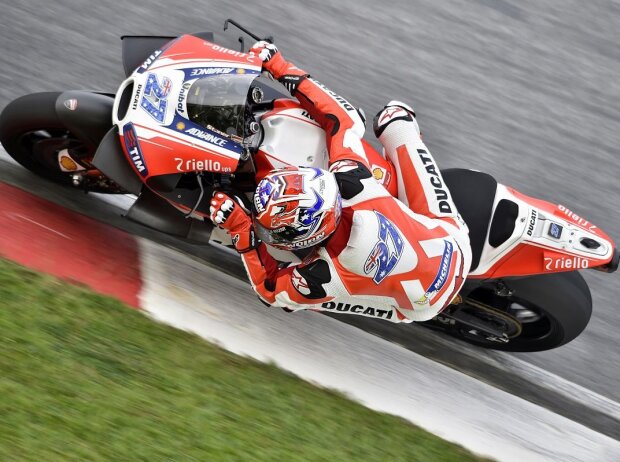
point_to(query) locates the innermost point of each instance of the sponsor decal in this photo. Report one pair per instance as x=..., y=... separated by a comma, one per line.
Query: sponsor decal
x=390, y=113
x=343, y=102
x=565, y=263
x=258, y=204
x=136, y=97
x=379, y=174
x=308, y=242
x=532, y=224
x=442, y=274
x=576, y=218
x=149, y=61
x=343, y=166
x=71, y=104
x=205, y=136
x=555, y=230
x=154, y=101
x=202, y=71
x=386, y=252
x=133, y=149
x=182, y=96
x=357, y=309
x=219, y=132
x=441, y=192
x=180, y=126
x=300, y=283
x=193, y=165
x=231, y=52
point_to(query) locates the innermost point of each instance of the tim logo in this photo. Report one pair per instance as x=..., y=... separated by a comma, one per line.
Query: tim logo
x=386, y=252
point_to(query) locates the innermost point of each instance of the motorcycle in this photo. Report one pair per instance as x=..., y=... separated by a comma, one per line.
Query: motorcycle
x=193, y=116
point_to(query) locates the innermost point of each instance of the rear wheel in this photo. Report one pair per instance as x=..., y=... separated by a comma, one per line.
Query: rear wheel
x=534, y=313
x=33, y=134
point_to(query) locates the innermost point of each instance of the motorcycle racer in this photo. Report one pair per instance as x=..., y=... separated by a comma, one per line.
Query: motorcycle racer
x=400, y=259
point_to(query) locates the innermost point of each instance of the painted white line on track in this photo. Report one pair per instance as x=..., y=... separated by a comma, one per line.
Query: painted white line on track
x=181, y=291
x=560, y=385
x=16, y=216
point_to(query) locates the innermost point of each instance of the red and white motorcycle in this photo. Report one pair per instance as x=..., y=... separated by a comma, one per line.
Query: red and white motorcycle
x=193, y=116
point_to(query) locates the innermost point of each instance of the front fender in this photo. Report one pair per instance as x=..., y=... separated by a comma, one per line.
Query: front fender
x=86, y=114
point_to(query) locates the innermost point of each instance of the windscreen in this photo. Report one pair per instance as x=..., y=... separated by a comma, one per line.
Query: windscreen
x=219, y=102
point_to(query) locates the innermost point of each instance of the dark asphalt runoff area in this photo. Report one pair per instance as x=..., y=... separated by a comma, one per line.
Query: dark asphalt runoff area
x=527, y=91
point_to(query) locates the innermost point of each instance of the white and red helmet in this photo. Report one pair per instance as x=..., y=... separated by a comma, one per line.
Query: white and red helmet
x=296, y=207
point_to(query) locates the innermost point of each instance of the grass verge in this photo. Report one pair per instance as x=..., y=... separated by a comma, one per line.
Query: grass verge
x=82, y=377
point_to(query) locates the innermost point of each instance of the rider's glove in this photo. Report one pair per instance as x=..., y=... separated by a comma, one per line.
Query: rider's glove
x=264, y=50
x=273, y=62
x=228, y=213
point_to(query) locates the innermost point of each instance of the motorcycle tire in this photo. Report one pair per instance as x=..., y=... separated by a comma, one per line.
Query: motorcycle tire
x=553, y=310
x=33, y=134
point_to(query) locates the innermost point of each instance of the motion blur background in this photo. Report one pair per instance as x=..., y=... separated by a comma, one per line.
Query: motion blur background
x=527, y=91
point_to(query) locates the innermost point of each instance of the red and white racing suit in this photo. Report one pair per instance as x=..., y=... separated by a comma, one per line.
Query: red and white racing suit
x=399, y=259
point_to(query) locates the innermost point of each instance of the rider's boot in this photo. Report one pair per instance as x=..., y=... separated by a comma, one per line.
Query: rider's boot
x=393, y=111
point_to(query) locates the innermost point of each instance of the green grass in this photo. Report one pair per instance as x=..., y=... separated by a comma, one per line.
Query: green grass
x=82, y=377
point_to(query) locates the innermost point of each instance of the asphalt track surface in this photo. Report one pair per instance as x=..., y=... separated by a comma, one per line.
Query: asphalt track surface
x=527, y=91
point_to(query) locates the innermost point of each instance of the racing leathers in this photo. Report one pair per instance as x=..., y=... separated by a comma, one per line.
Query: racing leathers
x=400, y=259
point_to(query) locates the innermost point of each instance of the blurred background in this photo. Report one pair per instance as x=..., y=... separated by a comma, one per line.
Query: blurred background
x=527, y=91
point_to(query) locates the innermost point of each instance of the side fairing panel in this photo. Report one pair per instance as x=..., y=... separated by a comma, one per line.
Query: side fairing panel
x=110, y=161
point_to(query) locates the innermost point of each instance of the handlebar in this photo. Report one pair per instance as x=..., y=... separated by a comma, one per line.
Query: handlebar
x=243, y=29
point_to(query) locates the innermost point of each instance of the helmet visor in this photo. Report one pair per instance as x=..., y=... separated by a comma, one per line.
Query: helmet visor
x=283, y=238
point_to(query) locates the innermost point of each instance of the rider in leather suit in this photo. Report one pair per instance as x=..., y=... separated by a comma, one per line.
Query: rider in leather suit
x=400, y=259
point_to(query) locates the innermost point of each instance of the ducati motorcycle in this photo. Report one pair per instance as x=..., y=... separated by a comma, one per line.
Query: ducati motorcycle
x=193, y=116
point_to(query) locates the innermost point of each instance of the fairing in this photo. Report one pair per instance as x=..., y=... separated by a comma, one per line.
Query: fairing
x=158, y=135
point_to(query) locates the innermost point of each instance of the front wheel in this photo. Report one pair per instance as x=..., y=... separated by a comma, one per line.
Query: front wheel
x=533, y=313
x=33, y=134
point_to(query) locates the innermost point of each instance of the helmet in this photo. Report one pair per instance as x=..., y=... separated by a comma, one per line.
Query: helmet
x=296, y=207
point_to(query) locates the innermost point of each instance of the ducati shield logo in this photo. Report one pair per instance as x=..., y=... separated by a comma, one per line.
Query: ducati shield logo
x=387, y=251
